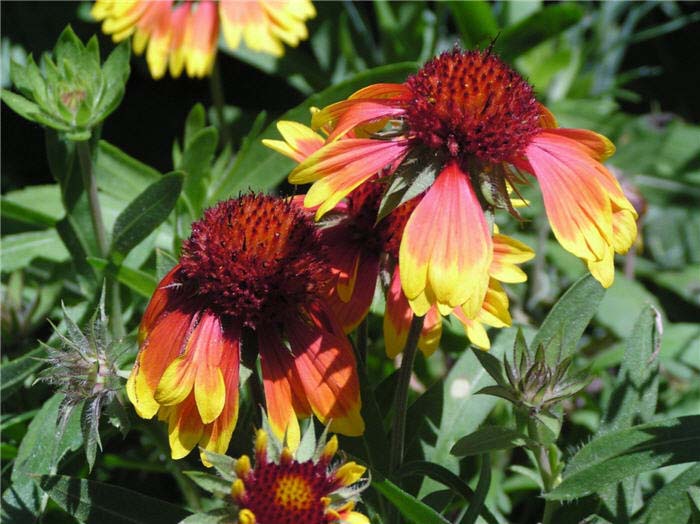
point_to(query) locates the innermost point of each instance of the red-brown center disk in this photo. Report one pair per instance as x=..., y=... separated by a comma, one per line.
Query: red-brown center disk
x=255, y=258
x=287, y=493
x=363, y=206
x=472, y=103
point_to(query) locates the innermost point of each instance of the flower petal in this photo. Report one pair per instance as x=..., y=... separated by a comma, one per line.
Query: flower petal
x=326, y=367
x=507, y=252
x=299, y=141
x=583, y=201
x=217, y=435
x=446, y=247
x=339, y=167
x=161, y=347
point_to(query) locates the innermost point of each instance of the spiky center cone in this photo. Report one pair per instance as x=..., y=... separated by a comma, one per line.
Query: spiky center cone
x=288, y=493
x=470, y=103
x=256, y=258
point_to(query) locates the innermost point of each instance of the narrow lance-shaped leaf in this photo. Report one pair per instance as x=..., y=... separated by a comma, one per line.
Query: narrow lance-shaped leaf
x=144, y=214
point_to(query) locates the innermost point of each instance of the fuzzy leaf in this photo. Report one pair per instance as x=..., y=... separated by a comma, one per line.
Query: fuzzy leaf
x=568, y=319
x=624, y=453
x=410, y=507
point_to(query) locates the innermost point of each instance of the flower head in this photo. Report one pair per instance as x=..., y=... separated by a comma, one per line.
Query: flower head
x=283, y=486
x=252, y=264
x=468, y=125
x=184, y=36
x=361, y=246
x=85, y=371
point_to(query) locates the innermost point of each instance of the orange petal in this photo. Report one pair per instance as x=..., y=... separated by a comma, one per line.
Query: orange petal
x=326, y=367
x=446, y=247
x=339, y=167
x=597, y=146
x=161, y=347
x=397, y=317
x=217, y=435
x=284, y=394
x=584, y=203
x=352, y=311
x=431, y=333
x=159, y=301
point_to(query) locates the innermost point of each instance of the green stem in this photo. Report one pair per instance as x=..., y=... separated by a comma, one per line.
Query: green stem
x=90, y=184
x=549, y=468
x=398, y=431
x=93, y=199
x=361, y=335
x=217, y=94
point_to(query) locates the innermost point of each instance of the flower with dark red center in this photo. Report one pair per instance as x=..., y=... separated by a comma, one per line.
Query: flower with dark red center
x=252, y=264
x=360, y=246
x=472, y=123
x=283, y=488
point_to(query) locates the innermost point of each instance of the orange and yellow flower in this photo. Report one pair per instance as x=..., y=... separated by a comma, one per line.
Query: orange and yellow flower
x=255, y=265
x=181, y=36
x=475, y=123
x=360, y=247
x=285, y=487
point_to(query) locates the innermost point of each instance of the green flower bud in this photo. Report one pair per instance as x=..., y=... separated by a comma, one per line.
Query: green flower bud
x=71, y=91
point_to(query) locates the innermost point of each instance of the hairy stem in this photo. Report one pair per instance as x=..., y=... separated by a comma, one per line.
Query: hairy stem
x=90, y=185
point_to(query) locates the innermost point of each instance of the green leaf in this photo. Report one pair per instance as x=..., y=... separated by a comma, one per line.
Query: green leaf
x=482, y=489
x=475, y=21
x=195, y=122
x=139, y=281
x=20, y=249
x=196, y=163
x=210, y=483
x=670, y=503
x=120, y=175
x=21, y=205
x=416, y=174
x=623, y=300
x=144, y=214
x=488, y=438
x=20, y=105
x=410, y=507
x=462, y=382
x=536, y=28
x=97, y=503
x=568, y=319
x=633, y=401
x=447, y=478
x=624, y=453
x=259, y=168
x=15, y=371
x=115, y=72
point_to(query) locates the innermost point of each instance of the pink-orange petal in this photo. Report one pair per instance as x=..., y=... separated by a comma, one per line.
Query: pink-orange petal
x=326, y=367
x=446, y=248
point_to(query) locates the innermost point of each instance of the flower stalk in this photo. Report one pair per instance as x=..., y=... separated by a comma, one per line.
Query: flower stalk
x=398, y=432
x=90, y=185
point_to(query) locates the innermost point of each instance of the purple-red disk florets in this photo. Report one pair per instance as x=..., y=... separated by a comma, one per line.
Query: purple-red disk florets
x=472, y=103
x=255, y=258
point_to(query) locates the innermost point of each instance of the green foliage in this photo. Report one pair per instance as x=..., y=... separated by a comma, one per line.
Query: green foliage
x=71, y=92
x=591, y=398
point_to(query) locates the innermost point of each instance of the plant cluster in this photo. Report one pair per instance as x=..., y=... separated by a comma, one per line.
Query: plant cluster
x=477, y=303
